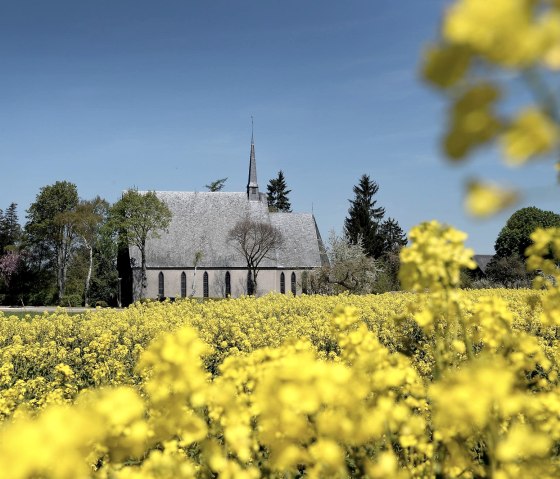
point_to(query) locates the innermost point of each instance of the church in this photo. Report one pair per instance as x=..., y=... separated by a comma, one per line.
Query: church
x=195, y=258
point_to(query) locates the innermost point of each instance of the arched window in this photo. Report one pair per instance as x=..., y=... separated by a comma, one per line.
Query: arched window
x=250, y=284
x=228, y=284
x=304, y=281
x=294, y=284
x=161, y=285
x=282, y=283
x=205, y=284
x=183, y=285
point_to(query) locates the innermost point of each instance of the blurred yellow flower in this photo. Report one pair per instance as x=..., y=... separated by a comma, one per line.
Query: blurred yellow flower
x=445, y=65
x=329, y=385
x=435, y=258
x=487, y=199
x=522, y=442
x=507, y=32
x=532, y=133
x=472, y=120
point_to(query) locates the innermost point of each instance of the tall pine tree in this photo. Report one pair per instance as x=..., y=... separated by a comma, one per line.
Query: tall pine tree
x=277, y=194
x=217, y=185
x=10, y=230
x=394, y=238
x=364, y=217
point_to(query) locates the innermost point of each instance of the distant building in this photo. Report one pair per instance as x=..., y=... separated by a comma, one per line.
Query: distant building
x=482, y=261
x=199, y=229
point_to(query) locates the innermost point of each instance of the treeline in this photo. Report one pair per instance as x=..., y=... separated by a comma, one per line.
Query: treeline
x=68, y=251
x=507, y=268
x=73, y=251
x=65, y=253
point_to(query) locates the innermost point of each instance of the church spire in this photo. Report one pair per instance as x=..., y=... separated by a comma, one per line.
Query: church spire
x=252, y=185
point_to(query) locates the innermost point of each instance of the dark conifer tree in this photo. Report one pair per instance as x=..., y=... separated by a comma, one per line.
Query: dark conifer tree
x=10, y=230
x=217, y=185
x=392, y=234
x=364, y=218
x=277, y=194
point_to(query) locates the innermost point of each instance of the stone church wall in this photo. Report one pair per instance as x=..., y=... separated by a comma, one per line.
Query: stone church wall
x=268, y=280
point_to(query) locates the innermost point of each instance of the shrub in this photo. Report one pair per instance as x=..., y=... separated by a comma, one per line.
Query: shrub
x=509, y=271
x=71, y=300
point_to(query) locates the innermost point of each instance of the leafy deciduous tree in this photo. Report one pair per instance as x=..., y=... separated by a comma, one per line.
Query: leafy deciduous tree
x=140, y=215
x=88, y=219
x=514, y=238
x=50, y=228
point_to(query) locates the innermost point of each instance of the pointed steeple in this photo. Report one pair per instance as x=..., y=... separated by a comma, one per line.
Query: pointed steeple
x=252, y=131
x=252, y=185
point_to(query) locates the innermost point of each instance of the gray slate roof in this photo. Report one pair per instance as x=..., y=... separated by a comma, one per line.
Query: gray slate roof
x=482, y=261
x=201, y=221
x=302, y=245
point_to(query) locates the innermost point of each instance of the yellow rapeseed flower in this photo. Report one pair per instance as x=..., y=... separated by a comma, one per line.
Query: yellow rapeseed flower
x=487, y=199
x=507, y=32
x=445, y=65
x=531, y=133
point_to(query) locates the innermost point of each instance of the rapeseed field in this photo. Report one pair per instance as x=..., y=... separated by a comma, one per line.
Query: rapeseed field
x=434, y=382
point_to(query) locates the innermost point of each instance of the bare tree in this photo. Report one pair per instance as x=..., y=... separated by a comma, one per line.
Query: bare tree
x=255, y=240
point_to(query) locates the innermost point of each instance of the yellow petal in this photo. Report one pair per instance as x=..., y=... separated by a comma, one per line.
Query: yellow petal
x=532, y=133
x=486, y=199
x=445, y=65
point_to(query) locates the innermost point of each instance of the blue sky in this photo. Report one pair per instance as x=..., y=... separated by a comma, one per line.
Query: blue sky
x=159, y=95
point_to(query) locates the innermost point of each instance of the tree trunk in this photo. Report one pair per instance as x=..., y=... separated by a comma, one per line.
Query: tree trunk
x=60, y=274
x=144, y=279
x=197, y=257
x=63, y=258
x=60, y=287
x=88, y=278
x=254, y=280
x=193, y=287
x=64, y=274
